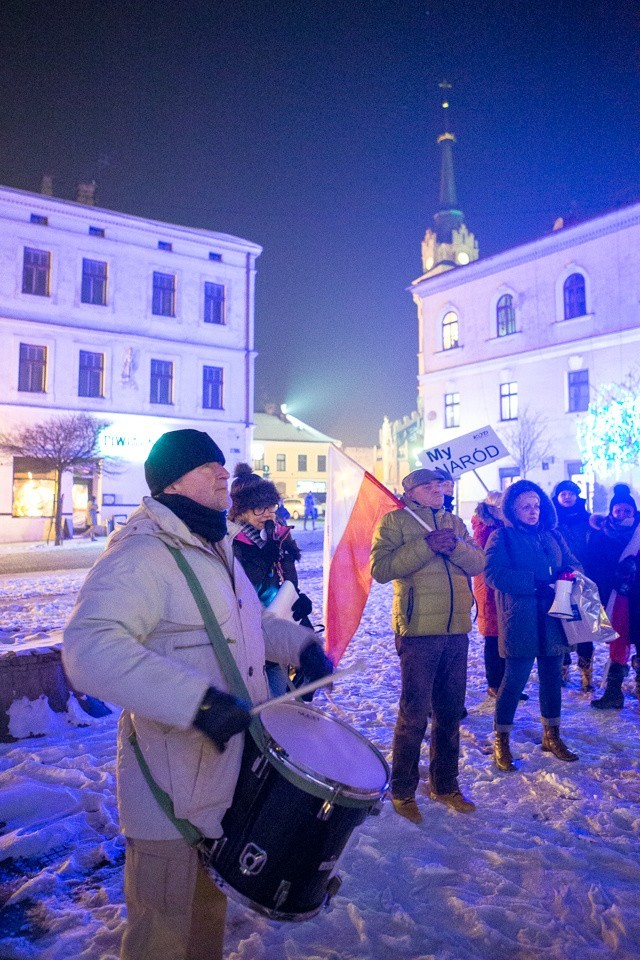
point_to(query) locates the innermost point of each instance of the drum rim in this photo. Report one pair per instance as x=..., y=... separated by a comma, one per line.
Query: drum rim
x=271, y=914
x=295, y=771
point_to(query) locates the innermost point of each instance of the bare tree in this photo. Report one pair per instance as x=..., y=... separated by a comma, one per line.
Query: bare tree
x=528, y=440
x=60, y=443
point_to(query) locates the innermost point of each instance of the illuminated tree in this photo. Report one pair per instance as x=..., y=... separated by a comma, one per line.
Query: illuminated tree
x=527, y=440
x=609, y=433
x=59, y=443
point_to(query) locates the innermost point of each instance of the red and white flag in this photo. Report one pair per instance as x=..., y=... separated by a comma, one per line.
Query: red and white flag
x=356, y=502
x=618, y=609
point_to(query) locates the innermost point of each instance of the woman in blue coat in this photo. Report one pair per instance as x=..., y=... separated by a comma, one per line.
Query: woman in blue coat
x=524, y=559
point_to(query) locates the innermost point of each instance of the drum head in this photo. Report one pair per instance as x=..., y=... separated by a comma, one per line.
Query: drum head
x=326, y=747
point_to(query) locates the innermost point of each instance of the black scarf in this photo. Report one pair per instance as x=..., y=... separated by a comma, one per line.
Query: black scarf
x=205, y=522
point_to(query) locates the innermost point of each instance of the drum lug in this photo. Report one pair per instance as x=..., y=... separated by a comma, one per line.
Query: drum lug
x=252, y=860
x=260, y=766
x=209, y=849
x=281, y=894
x=325, y=811
x=332, y=888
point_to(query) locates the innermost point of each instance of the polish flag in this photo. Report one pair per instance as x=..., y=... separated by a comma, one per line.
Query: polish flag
x=618, y=609
x=356, y=502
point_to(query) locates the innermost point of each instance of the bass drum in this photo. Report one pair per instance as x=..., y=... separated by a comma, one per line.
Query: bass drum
x=295, y=806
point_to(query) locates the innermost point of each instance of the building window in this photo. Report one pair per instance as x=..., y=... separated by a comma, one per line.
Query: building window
x=505, y=315
x=161, y=381
x=578, y=391
x=508, y=475
x=32, y=371
x=212, y=388
x=322, y=463
x=36, y=271
x=302, y=463
x=94, y=282
x=90, y=374
x=38, y=218
x=575, y=296
x=281, y=462
x=216, y=257
x=450, y=331
x=165, y=245
x=509, y=401
x=96, y=231
x=214, y=303
x=164, y=294
x=452, y=409
x=33, y=488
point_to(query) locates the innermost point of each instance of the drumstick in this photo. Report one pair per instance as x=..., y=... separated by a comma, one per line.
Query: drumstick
x=308, y=687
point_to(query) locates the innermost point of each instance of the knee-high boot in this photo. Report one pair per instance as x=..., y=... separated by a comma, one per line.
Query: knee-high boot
x=613, y=698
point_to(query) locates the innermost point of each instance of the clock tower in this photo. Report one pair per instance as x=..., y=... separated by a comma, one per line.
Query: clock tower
x=449, y=244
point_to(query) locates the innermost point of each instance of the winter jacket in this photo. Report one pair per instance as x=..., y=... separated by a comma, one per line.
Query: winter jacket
x=518, y=556
x=136, y=639
x=573, y=524
x=483, y=522
x=431, y=592
x=267, y=576
x=605, y=544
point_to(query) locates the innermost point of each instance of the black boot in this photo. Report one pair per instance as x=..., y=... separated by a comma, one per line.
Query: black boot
x=635, y=663
x=613, y=698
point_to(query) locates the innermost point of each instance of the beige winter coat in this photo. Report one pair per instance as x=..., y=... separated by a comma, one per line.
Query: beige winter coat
x=136, y=639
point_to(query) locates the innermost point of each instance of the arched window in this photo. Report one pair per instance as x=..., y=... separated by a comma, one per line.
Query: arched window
x=575, y=296
x=505, y=315
x=450, y=330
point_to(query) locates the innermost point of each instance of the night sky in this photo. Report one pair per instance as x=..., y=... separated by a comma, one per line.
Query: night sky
x=310, y=128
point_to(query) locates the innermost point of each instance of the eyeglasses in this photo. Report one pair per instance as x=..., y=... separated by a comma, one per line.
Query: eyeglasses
x=260, y=511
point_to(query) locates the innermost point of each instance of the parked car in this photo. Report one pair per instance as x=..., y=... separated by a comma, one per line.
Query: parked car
x=295, y=506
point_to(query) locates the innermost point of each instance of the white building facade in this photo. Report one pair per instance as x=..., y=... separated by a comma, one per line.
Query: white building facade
x=536, y=330
x=147, y=325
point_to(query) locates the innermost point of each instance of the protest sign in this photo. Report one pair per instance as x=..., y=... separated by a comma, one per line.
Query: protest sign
x=473, y=450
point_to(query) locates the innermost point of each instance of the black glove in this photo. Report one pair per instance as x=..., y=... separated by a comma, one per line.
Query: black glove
x=545, y=592
x=624, y=576
x=271, y=551
x=314, y=662
x=302, y=607
x=220, y=716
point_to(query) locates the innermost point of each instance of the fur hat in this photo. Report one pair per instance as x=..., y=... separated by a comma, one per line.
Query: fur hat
x=622, y=494
x=176, y=453
x=418, y=477
x=548, y=518
x=248, y=490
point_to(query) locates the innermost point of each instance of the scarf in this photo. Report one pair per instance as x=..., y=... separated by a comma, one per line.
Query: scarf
x=203, y=521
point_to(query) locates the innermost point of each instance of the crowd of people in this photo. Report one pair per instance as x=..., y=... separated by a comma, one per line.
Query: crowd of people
x=523, y=541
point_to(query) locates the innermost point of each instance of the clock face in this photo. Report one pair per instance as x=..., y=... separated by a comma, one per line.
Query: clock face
x=463, y=258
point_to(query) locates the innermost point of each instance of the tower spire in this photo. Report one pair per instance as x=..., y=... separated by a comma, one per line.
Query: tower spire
x=449, y=244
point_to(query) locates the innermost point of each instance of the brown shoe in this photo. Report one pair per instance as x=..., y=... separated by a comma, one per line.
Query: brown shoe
x=407, y=808
x=454, y=800
x=551, y=743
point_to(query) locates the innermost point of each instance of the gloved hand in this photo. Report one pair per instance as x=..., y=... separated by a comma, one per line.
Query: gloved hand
x=301, y=608
x=271, y=551
x=545, y=591
x=220, y=716
x=314, y=662
x=624, y=576
x=442, y=541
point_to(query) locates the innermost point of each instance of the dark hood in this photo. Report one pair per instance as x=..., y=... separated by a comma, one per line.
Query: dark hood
x=548, y=518
x=578, y=513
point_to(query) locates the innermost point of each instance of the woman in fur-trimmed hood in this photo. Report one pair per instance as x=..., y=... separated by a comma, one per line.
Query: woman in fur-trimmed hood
x=523, y=562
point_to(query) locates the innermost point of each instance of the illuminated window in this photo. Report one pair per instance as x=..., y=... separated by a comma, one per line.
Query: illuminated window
x=509, y=401
x=90, y=374
x=506, y=316
x=94, y=282
x=302, y=463
x=452, y=409
x=212, y=388
x=161, y=381
x=164, y=294
x=450, y=331
x=281, y=462
x=508, y=475
x=32, y=371
x=214, y=303
x=33, y=488
x=575, y=296
x=578, y=391
x=322, y=463
x=36, y=270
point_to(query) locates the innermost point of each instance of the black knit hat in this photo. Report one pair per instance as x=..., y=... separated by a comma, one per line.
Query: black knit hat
x=176, y=453
x=249, y=490
x=569, y=486
x=622, y=494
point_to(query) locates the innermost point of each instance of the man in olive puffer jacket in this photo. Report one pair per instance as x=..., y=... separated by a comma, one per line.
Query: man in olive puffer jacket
x=431, y=618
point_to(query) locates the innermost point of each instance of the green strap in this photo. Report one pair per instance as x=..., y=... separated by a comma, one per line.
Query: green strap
x=190, y=833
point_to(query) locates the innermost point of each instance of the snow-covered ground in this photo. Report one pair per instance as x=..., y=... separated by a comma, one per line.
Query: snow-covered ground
x=548, y=866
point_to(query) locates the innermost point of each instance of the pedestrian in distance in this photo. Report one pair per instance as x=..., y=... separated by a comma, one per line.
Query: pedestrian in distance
x=524, y=558
x=431, y=619
x=92, y=516
x=137, y=638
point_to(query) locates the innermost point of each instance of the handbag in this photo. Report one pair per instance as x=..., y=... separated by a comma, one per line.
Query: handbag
x=590, y=623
